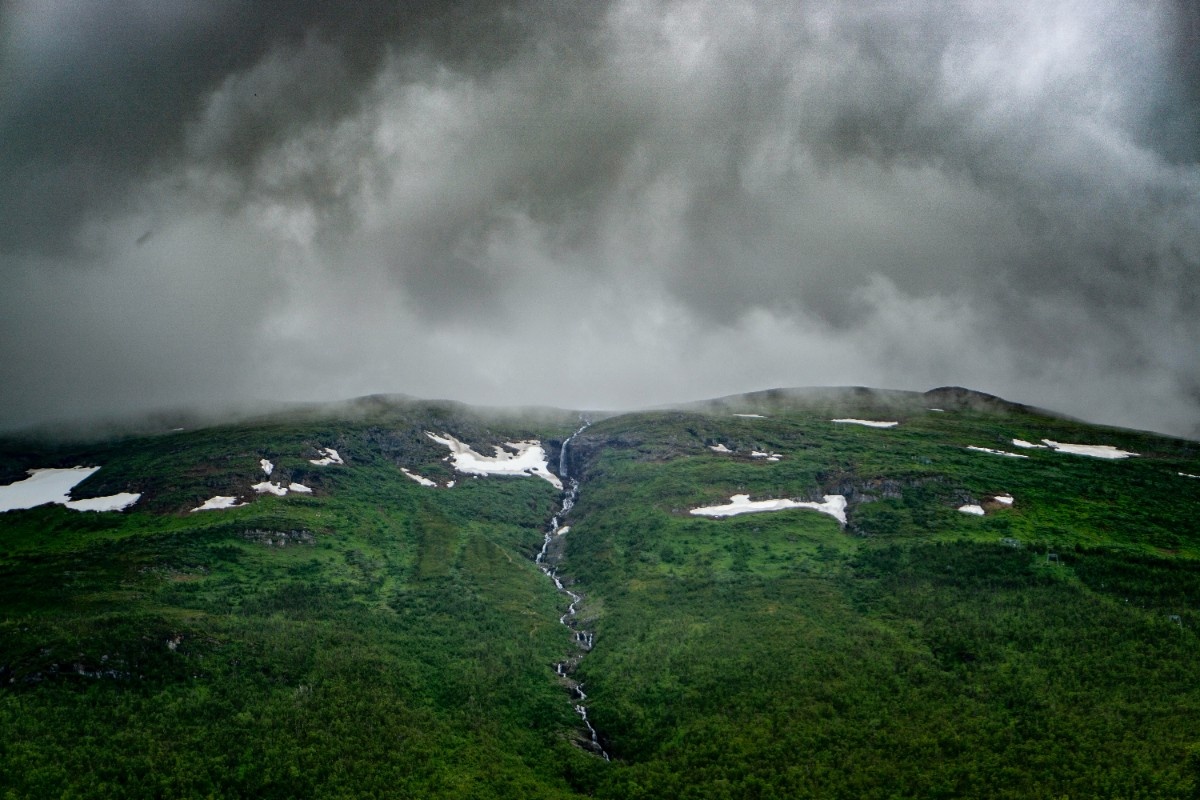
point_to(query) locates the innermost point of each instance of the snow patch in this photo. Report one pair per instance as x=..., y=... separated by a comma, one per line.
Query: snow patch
x=869, y=423
x=719, y=448
x=1093, y=450
x=273, y=488
x=54, y=486
x=526, y=458
x=299, y=487
x=266, y=465
x=328, y=456
x=750, y=416
x=767, y=456
x=1028, y=445
x=995, y=452
x=1004, y=499
x=1188, y=475
x=217, y=503
x=113, y=502
x=43, y=486
x=834, y=505
x=414, y=476
x=972, y=509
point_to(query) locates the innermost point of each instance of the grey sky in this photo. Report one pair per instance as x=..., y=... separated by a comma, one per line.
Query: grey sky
x=599, y=204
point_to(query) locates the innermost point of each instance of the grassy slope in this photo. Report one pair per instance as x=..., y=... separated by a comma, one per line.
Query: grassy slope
x=408, y=649
x=775, y=655
x=405, y=648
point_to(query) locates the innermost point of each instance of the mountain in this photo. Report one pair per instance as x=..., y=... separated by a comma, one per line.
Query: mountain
x=794, y=593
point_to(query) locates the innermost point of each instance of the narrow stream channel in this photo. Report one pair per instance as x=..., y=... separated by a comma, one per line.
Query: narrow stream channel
x=548, y=563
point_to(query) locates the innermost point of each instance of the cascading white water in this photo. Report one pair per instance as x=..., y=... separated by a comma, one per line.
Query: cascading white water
x=583, y=639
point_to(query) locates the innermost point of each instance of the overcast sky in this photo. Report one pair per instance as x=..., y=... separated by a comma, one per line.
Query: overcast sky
x=602, y=204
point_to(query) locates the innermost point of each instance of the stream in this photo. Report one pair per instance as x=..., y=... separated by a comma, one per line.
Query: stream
x=547, y=562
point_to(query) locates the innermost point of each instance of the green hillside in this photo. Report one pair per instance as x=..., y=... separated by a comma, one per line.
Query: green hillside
x=382, y=638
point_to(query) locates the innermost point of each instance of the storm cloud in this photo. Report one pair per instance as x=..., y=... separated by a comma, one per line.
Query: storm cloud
x=599, y=204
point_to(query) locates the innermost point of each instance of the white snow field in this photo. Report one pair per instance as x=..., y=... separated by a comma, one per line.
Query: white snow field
x=266, y=465
x=113, y=502
x=279, y=490
x=995, y=452
x=834, y=505
x=329, y=456
x=418, y=478
x=868, y=422
x=54, y=486
x=217, y=503
x=972, y=509
x=527, y=458
x=1093, y=450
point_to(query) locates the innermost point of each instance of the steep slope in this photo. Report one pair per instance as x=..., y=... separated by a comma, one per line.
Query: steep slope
x=390, y=632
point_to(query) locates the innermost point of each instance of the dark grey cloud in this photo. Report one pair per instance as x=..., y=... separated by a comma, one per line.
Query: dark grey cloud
x=602, y=203
x=99, y=95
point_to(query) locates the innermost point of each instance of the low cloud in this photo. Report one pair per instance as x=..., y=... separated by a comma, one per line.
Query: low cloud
x=652, y=201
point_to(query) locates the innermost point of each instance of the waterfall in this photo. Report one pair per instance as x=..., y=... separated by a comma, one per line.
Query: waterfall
x=584, y=640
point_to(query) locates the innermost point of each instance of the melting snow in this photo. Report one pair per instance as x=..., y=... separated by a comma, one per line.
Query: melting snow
x=528, y=458
x=1093, y=450
x=750, y=416
x=218, y=502
x=43, y=486
x=418, y=478
x=114, y=502
x=266, y=465
x=719, y=448
x=54, y=486
x=767, y=456
x=1189, y=475
x=972, y=509
x=867, y=422
x=1004, y=499
x=834, y=506
x=278, y=489
x=330, y=456
x=995, y=452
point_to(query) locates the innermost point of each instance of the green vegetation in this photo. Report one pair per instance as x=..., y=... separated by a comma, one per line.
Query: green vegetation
x=383, y=639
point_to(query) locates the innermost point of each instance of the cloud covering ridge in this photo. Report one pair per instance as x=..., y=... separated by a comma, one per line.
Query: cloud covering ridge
x=602, y=204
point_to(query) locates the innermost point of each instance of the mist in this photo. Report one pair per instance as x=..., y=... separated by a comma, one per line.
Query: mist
x=607, y=205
